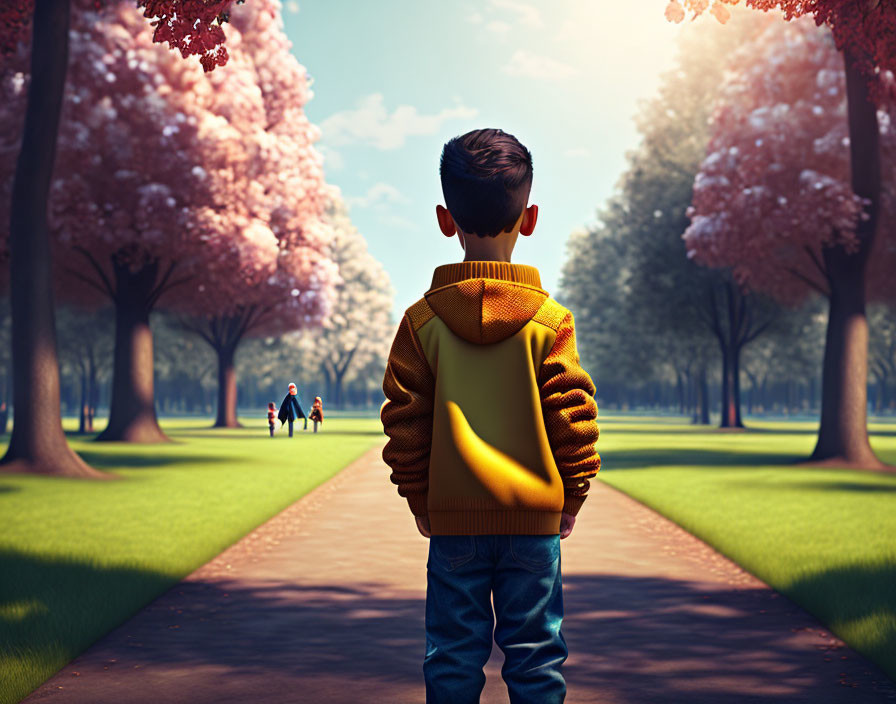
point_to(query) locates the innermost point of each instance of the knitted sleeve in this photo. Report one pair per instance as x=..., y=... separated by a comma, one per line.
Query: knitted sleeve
x=409, y=387
x=570, y=416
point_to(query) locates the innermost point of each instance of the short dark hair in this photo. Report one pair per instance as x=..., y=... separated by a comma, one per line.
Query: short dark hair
x=486, y=178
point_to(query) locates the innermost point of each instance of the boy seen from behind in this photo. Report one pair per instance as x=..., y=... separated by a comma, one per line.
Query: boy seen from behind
x=492, y=430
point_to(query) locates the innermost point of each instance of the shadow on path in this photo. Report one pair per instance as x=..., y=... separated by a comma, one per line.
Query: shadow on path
x=631, y=639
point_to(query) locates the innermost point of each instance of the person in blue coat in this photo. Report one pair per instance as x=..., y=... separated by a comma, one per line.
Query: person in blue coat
x=291, y=409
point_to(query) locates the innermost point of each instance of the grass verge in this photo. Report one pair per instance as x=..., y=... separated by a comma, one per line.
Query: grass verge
x=78, y=558
x=825, y=538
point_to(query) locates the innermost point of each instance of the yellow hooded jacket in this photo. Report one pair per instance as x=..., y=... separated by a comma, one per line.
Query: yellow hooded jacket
x=490, y=417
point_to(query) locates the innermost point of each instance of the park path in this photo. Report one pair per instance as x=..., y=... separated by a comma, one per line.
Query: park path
x=324, y=604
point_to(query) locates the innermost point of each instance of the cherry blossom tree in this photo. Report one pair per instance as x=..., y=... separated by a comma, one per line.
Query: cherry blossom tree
x=774, y=202
x=38, y=444
x=226, y=225
x=284, y=280
x=864, y=31
x=360, y=328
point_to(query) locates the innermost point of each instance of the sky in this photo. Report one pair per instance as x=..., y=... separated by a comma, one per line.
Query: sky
x=394, y=80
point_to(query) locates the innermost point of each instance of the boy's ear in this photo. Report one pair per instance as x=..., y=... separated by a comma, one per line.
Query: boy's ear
x=446, y=222
x=530, y=217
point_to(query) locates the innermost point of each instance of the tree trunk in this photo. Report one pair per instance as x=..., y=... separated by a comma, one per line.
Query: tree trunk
x=679, y=381
x=727, y=404
x=132, y=412
x=6, y=400
x=38, y=443
x=337, y=388
x=751, y=394
x=82, y=413
x=703, y=395
x=730, y=344
x=227, y=395
x=735, y=382
x=843, y=432
x=92, y=393
x=328, y=385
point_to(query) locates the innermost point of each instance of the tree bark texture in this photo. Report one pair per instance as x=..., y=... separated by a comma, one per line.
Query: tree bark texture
x=38, y=443
x=843, y=432
x=132, y=413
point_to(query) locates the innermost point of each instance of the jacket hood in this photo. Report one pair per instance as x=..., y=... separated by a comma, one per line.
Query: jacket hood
x=485, y=302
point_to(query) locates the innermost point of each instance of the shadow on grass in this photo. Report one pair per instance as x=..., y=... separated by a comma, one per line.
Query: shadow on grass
x=634, y=639
x=864, y=591
x=826, y=486
x=116, y=459
x=714, y=431
x=52, y=609
x=279, y=434
x=694, y=457
x=75, y=435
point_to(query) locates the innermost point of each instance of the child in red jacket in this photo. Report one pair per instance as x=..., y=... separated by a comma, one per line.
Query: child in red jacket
x=272, y=417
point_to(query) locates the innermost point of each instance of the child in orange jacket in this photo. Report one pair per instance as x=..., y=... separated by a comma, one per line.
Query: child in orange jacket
x=317, y=412
x=492, y=430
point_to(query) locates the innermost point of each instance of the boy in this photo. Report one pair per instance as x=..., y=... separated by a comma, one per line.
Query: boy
x=492, y=429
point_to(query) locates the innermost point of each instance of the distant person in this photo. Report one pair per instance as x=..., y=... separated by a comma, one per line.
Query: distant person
x=492, y=428
x=272, y=417
x=317, y=412
x=291, y=409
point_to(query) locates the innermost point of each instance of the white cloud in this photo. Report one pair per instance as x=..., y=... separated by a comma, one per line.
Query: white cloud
x=525, y=13
x=292, y=6
x=379, y=194
x=498, y=27
x=525, y=63
x=475, y=18
x=371, y=123
x=576, y=152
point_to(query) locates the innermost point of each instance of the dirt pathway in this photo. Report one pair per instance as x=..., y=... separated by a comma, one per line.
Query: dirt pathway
x=324, y=604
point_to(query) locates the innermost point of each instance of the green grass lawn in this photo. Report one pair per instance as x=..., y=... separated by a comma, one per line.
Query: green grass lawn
x=78, y=557
x=824, y=538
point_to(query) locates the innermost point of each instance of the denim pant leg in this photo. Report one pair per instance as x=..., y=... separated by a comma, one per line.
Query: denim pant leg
x=290, y=428
x=529, y=613
x=459, y=618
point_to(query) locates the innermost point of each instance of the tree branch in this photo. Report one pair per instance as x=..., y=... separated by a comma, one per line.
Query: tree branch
x=818, y=264
x=90, y=282
x=109, y=289
x=809, y=281
x=162, y=288
x=759, y=330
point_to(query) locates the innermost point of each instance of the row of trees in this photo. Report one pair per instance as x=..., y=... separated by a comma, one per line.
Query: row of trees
x=749, y=159
x=350, y=346
x=174, y=189
x=193, y=26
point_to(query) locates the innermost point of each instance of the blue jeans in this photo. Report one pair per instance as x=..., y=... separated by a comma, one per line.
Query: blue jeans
x=523, y=572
